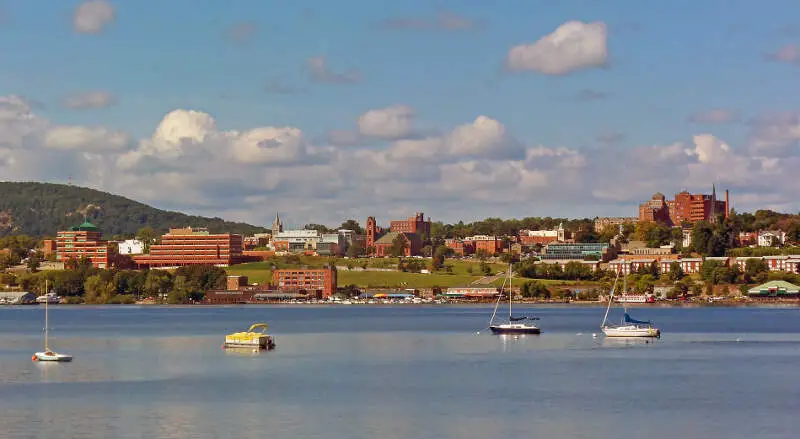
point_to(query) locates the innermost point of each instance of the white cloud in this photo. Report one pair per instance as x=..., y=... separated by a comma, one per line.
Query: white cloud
x=92, y=16
x=90, y=99
x=776, y=134
x=484, y=137
x=573, y=46
x=82, y=138
x=476, y=169
x=393, y=122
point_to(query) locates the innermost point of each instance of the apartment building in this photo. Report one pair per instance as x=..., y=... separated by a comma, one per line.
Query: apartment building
x=193, y=246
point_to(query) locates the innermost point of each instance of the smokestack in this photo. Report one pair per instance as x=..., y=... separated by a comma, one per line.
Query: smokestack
x=727, y=204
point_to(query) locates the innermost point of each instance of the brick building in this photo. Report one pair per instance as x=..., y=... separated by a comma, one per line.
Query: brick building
x=485, y=244
x=685, y=208
x=320, y=282
x=49, y=247
x=383, y=246
x=532, y=237
x=84, y=241
x=416, y=224
x=460, y=247
x=601, y=223
x=193, y=246
x=413, y=229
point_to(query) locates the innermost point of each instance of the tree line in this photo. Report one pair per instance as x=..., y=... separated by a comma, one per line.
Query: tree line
x=86, y=284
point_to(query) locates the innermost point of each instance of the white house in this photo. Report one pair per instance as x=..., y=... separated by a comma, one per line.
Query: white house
x=131, y=247
x=770, y=238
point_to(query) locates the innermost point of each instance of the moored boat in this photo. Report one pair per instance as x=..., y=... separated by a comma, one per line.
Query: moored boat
x=629, y=327
x=48, y=354
x=515, y=324
x=251, y=338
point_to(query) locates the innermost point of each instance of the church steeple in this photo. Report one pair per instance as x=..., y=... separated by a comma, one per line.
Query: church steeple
x=277, y=226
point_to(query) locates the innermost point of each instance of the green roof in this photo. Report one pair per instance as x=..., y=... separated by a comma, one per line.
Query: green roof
x=86, y=226
x=388, y=238
x=775, y=288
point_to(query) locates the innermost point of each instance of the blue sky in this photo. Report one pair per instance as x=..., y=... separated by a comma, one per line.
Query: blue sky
x=447, y=62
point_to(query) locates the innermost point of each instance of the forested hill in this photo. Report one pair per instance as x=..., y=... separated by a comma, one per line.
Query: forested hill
x=41, y=209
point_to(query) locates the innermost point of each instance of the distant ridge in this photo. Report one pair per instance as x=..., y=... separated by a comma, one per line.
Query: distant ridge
x=41, y=209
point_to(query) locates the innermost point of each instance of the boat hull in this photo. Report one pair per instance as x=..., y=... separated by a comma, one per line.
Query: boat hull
x=52, y=356
x=263, y=342
x=514, y=329
x=631, y=331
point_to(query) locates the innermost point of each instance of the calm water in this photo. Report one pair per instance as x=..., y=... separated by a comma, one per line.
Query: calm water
x=398, y=372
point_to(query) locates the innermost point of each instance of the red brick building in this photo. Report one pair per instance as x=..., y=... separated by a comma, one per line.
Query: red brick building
x=487, y=244
x=49, y=247
x=416, y=224
x=460, y=247
x=685, y=208
x=315, y=282
x=190, y=246
x=383, y=246
x=412, y=229
x=84, y=241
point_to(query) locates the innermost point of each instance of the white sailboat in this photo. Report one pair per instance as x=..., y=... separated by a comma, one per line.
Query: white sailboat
x=515, y=325
x=628, y=327
x=48, y=354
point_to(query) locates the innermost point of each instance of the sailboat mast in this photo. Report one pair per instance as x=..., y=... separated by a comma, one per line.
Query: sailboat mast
x=46, y=323
x=624, y=288
x=610, y=300
x=510, y=292
x=497, y=304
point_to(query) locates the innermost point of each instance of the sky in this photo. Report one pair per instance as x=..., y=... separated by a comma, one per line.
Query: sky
x=325, y=111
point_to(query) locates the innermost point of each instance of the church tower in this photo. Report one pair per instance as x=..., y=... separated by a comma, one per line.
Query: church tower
x=277, y=226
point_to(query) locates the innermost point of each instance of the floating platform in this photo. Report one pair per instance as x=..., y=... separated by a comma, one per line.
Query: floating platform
x=250, y=339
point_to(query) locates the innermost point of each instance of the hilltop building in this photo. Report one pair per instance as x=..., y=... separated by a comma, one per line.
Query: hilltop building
x=412, y=230
x=685, y=208
x=532, y=237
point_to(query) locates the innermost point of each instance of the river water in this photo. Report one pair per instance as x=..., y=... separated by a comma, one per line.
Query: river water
x=398, y=372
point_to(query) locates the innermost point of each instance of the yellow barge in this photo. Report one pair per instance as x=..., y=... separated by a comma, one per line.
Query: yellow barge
x=250, y=338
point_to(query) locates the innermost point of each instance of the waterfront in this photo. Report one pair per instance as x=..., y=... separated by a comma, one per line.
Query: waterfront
x=398, y=372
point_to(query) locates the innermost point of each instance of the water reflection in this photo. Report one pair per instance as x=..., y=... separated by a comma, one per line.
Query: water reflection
x=445, y=383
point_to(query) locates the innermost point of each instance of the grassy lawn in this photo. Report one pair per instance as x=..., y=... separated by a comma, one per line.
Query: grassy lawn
x=400, y=279
x=260, y=272
x=517, y=281
x=256, y=272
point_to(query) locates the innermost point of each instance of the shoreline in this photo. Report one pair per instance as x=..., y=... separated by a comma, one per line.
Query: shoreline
x=550, y=304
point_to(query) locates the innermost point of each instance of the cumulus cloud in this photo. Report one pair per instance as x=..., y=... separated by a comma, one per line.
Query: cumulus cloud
x=776, y=134
x=92, y=16
x=393, y=122
x=714, y=116
x=474, y=169
x=444, y=20
x=573, y=46
x=90, y=99
x=82, y=138
x=322, y=73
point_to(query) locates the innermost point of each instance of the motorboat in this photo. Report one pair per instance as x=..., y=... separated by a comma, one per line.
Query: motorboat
x=251, y=338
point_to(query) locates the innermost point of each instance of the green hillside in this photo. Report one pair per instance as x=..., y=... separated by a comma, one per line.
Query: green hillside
x=41, y=209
